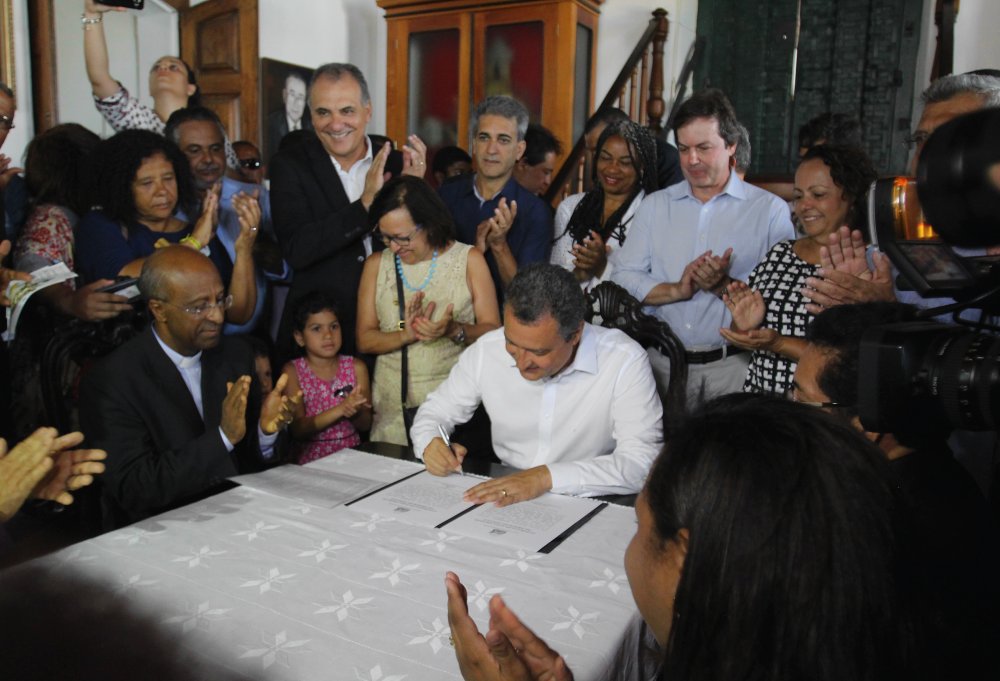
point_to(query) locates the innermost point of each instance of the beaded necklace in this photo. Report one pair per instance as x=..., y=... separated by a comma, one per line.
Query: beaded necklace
x=427, y=279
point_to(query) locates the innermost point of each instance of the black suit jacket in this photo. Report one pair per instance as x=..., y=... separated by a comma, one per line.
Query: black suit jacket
x=321, y=232
x=161, y=454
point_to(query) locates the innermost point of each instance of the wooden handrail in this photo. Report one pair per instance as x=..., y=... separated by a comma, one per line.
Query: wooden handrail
x=655, y=35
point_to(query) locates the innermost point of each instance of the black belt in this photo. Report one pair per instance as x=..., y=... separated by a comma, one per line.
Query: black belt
x=709, y=356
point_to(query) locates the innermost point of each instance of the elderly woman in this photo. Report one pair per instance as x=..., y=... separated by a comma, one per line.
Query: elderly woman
x=139, y=180
x=591, y=225
x=448, y=300
x=172, y=83
x=769, y=311
x=763, y=550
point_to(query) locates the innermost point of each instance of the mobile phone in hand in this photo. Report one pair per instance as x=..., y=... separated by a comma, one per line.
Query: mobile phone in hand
x=128, y=4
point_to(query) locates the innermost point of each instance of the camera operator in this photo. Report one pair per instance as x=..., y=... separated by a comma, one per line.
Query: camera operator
x=947, y=540
x=947, y=98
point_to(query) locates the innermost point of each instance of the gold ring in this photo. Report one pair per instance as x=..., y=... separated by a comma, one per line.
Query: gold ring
x=503, y=492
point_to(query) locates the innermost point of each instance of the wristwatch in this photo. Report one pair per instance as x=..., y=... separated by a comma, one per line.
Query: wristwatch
x=459, y=338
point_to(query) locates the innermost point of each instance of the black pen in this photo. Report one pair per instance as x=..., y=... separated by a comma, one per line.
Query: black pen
x=447, y=443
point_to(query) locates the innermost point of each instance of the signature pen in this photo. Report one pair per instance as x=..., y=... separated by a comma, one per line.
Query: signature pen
x=447, y=443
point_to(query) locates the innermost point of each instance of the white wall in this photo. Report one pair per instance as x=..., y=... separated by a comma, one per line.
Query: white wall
x=621, y=24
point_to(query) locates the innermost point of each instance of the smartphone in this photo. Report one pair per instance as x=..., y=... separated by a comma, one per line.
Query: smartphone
x=126, y=286
x=128, y=4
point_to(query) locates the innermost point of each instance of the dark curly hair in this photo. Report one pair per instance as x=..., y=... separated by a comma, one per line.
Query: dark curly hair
x=852, y=171
x=423, y=203
x=55, y=166
x=589, y=212
x=310, y=304
x=116, y=162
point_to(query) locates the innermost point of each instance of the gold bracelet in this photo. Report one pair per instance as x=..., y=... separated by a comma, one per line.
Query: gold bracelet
x=192, y=242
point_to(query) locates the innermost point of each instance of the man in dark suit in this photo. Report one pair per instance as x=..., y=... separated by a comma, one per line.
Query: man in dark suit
x=321, y=190
x=291, y=116
x=175, y=407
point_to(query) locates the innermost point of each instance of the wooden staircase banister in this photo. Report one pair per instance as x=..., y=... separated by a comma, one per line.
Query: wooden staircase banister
x=654, y=105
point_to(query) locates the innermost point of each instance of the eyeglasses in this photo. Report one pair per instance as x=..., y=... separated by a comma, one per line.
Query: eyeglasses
x=199, y=311
x=792, y=395
x=398, y=240
x=251, y=163
x=6, y=122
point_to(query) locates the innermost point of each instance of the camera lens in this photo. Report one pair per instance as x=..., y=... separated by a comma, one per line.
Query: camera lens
x=963, y=371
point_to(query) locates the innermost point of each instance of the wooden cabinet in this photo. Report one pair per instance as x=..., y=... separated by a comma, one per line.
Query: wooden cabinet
x=444, y=56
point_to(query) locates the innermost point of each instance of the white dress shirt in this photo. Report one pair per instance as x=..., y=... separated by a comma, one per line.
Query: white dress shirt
x=353, y=180
x=597, y=424
x=672, y=227
x=190, y=371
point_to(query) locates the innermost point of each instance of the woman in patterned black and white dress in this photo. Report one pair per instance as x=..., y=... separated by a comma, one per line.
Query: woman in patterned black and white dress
x=769, y=314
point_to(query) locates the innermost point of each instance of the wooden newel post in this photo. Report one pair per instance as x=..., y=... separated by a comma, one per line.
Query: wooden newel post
x=656, y=106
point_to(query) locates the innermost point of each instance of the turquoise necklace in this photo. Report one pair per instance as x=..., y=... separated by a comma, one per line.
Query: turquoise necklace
x=427, y=279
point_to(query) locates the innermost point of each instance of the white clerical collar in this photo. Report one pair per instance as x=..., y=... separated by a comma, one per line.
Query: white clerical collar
x=179, y=360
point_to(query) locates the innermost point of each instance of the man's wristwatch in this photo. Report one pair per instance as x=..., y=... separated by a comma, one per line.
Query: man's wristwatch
x=459, y=338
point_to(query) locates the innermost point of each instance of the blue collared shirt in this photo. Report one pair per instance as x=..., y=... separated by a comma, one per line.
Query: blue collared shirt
x=672, y=228
x=529, y=238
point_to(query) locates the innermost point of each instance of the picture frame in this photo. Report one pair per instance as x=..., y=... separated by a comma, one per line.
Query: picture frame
x=7, y=62
x=283, y=97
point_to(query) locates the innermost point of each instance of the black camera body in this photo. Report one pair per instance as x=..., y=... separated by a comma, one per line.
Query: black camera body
x=927, y=378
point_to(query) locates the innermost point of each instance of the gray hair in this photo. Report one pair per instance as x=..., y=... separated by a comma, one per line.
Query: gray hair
x=295, y=75
x=743, y=149
x=335, y=71
x=505, y=107
x=5, y=89
x=943, y=89
x=541, y=289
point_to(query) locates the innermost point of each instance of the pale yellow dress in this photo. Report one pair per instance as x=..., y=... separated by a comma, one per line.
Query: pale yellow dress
x=429, y=362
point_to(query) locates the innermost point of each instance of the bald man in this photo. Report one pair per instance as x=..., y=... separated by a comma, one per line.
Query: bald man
x=175, y=408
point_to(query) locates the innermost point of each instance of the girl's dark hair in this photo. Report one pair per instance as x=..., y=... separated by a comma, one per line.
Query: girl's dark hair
x=788, y=570
x=116, y=162
x=310, y=304
x=55, y=166
x=852, y=171
x=589, y=212
x=426, y=208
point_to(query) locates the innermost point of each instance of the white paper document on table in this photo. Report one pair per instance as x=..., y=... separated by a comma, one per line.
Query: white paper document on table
x=529, y=525
x=316, y=487
x=422, y=499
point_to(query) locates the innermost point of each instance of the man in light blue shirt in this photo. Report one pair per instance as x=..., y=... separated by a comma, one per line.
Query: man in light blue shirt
x=689, y=240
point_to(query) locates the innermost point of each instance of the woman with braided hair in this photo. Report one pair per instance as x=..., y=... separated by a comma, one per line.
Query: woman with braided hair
x=591, y=225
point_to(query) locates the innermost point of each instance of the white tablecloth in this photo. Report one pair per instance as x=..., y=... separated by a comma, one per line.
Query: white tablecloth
x=278, y=589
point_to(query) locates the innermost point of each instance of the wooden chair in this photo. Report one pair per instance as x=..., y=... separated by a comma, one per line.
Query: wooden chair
x=617, y=309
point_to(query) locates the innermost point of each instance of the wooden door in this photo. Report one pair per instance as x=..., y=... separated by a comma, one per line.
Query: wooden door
x=219, y=40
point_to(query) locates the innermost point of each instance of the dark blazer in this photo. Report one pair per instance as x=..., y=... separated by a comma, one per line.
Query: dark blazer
x=320, y=232
x=135, y=405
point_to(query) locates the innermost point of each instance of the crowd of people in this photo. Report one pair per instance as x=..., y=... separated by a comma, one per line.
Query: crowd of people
x=776, y=536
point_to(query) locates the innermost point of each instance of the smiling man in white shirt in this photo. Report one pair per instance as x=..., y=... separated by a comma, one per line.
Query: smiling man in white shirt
x=572, y=404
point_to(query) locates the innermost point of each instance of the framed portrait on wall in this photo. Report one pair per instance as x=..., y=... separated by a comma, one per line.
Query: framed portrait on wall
x=284, y=107
x=7, y=44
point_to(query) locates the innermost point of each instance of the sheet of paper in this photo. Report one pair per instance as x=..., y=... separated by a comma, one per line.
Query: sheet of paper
x=528, y=525
x=422, y=499
x=316, y=487
x=18, y=292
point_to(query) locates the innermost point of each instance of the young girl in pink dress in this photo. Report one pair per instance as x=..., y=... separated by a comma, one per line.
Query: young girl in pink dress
x=335, y=387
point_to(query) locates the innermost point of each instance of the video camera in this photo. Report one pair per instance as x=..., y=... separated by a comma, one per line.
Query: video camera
x=926, y=378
